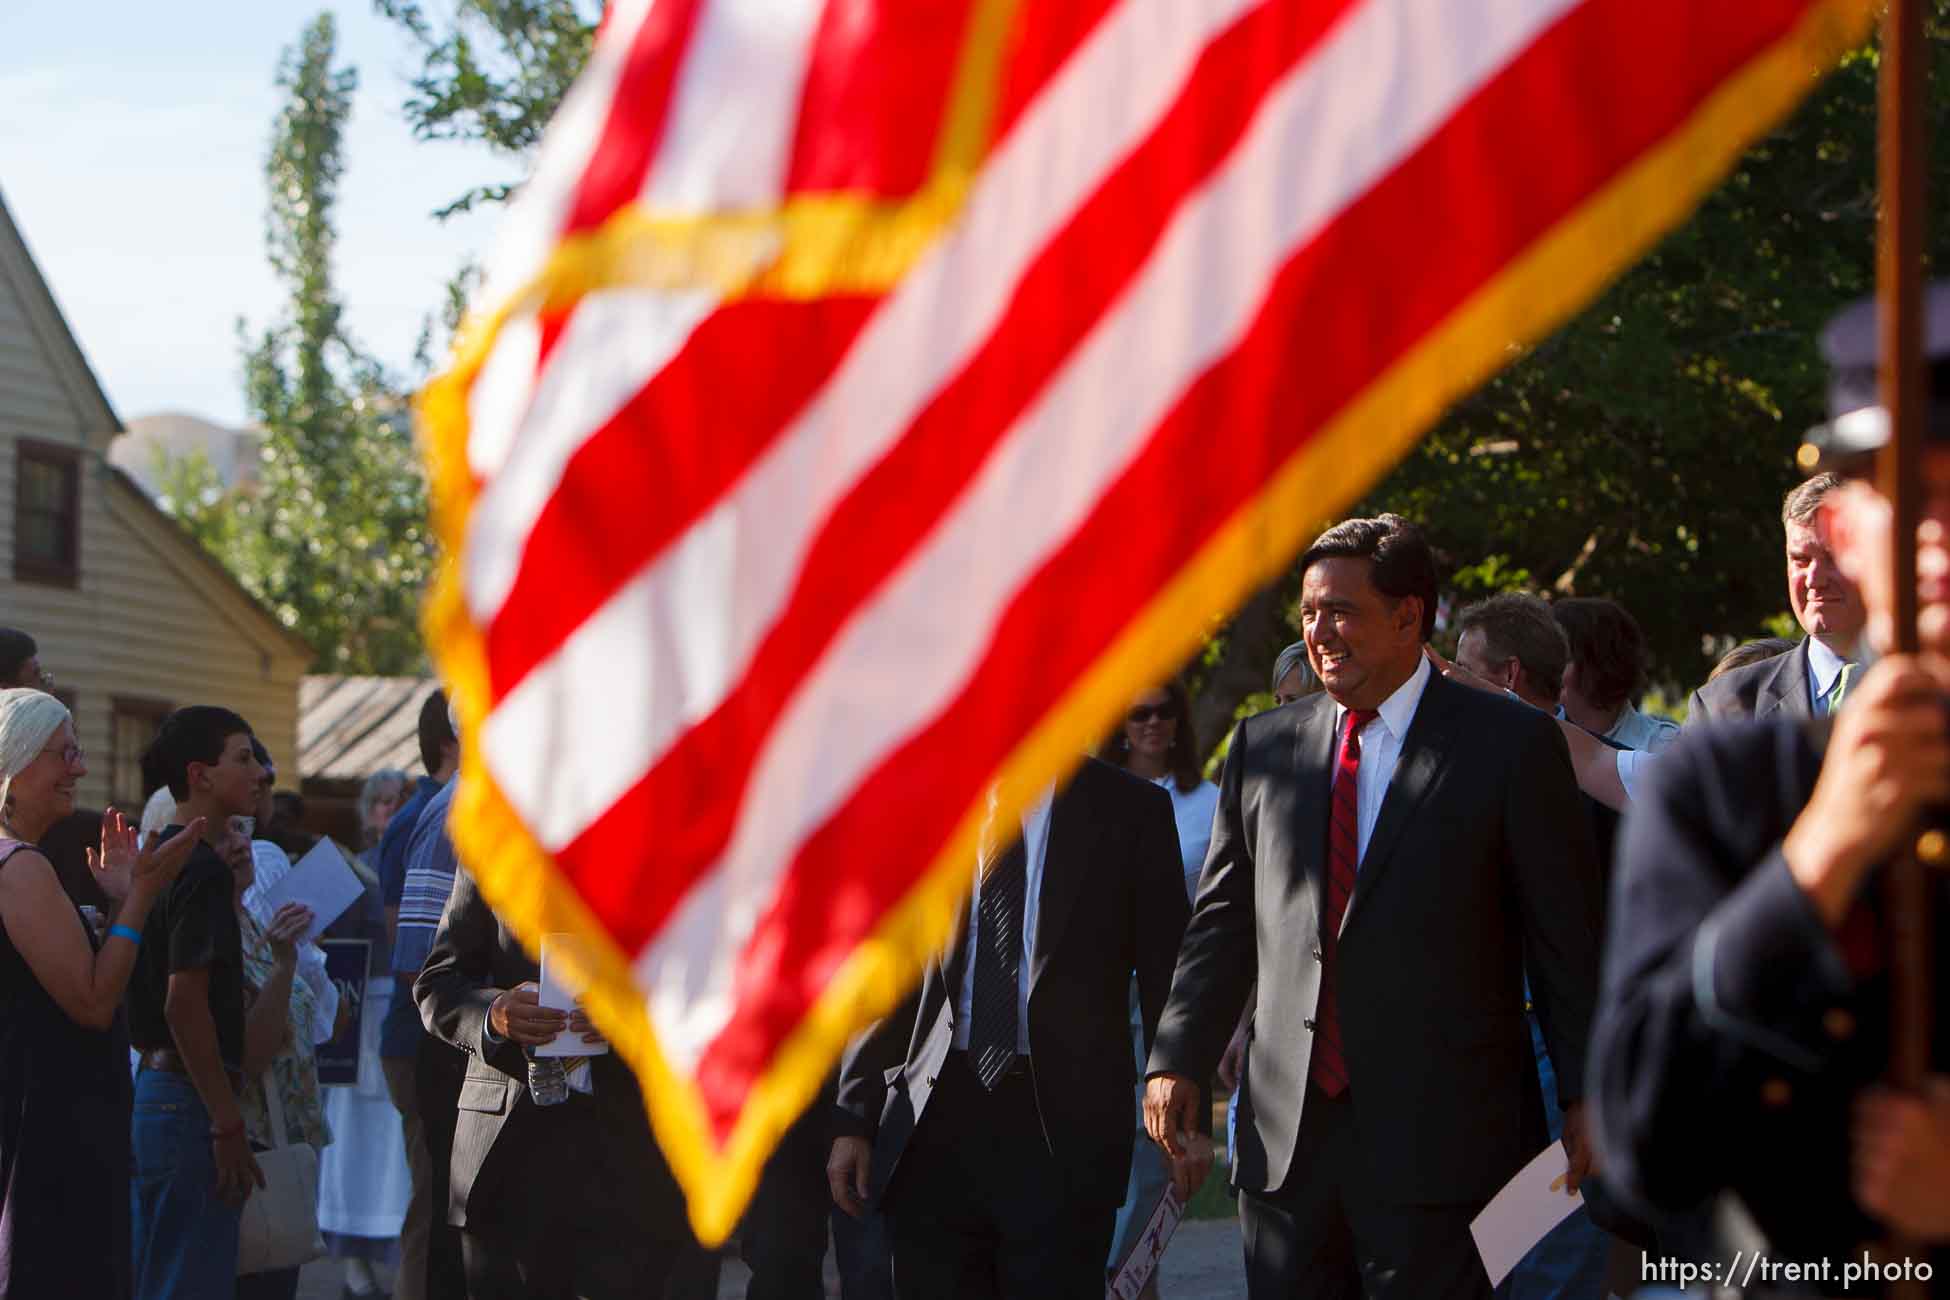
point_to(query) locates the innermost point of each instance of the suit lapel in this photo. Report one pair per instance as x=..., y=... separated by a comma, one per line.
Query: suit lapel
x=1787, y=686
x=1425, y=751
x=1313, y=768
x=1066, y=859
x=1313, y=762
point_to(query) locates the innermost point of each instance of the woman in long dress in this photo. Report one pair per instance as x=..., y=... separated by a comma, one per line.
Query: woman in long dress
x=65, y=1097
x=364, y=1183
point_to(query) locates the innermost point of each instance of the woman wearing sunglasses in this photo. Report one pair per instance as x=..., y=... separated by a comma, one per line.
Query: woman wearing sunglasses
x=1158, y=743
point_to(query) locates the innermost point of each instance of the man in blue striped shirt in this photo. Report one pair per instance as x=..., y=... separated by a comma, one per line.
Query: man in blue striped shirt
x=401, y=1035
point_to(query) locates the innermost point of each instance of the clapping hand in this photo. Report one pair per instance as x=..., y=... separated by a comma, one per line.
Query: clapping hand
x=121, y=869
x=292, y=923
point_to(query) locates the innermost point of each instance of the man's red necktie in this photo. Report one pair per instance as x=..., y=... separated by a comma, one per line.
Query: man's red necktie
x=1343, y=856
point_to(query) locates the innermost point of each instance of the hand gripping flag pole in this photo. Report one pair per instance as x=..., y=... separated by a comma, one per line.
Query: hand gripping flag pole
x=1902, y=159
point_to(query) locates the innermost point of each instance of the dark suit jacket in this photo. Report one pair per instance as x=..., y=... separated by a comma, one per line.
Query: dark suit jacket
x=1481, y=862
x=474, y=957
x=1758, y=690
x=1750, y=1088
x=1112, y=901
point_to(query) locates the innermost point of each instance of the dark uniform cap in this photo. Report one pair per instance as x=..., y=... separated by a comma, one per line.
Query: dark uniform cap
x=1857, y=425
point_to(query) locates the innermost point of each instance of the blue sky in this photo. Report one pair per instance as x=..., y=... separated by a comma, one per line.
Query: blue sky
x=132, y=140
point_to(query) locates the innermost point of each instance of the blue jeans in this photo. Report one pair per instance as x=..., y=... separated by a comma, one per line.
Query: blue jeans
x=185, y=1238
x=1148, y=1175
x=1569, y=1263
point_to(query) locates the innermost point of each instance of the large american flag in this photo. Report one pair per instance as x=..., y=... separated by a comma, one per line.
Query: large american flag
x=871, y=395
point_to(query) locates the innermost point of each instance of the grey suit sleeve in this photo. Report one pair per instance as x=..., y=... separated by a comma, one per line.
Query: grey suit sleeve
x=456, y=986
x=879, y=1048
x=1555, y=857
x=1217, y=959
x=1697, y=711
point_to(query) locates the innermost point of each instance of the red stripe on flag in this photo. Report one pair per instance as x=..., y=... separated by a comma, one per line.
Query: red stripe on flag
x=693, y=793
x=635, y=125
x=684, y=438
x=1047, y=33
x=835, y=892
x=876, y=95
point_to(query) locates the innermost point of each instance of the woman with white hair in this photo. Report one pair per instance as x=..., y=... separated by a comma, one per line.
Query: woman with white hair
x=64, y=1079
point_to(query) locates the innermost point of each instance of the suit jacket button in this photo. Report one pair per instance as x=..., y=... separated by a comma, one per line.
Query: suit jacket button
x=1309, y=1024
x=1839, y=1024
x=1775, y=1094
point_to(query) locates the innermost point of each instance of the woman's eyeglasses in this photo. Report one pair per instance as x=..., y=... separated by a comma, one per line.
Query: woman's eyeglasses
x=1144, y=713
x=70, y=754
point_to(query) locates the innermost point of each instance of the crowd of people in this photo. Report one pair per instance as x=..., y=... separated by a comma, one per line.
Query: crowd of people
x=1435, y=914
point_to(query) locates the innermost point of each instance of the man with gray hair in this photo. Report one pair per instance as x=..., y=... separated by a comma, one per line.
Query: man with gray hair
x=1810, y=680
x=1512, y=640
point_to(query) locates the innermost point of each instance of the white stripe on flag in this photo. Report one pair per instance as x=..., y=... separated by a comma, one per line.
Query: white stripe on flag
x=1104, y=102
x=1329, y=131
x=728, y=139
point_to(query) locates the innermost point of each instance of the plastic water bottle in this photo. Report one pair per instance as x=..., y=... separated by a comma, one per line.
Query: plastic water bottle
x=548, y=1080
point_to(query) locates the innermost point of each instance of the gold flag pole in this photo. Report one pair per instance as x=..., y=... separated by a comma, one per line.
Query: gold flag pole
x=1901, y=167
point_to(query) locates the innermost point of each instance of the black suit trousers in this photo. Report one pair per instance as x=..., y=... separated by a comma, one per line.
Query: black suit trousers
x=979, y=1206
x=565, y=1216
x=1329, y=1233
x=437, y=1073
x=783, y=1236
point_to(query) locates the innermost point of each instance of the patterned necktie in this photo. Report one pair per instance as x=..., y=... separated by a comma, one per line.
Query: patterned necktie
x=1329, y=1067
x=1840, y=688
x=998, y=964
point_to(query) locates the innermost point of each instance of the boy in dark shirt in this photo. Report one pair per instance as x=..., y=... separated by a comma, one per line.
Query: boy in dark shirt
x=193, y=1165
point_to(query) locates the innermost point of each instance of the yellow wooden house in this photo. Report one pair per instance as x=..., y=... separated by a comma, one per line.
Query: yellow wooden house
x=132, y=616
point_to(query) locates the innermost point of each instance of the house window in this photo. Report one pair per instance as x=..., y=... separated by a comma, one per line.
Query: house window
x=135, y=723
x=47, y=513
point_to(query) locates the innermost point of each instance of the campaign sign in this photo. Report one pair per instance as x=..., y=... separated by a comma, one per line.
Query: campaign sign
x=345, y=965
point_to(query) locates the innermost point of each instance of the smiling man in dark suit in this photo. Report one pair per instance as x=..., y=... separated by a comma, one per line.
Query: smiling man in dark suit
x=990, y=1114
x=1387, y=858
x=1811, y=679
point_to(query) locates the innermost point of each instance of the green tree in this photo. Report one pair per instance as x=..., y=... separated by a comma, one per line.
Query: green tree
x=333, y=536
x=493, y=72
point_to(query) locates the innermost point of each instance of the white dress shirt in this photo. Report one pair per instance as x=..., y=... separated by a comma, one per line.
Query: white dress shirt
x=1035, y=843
x=1824, y=666
x=1631, y=765
x=1192, y=810
x=1381, y=747
x=1636, y=730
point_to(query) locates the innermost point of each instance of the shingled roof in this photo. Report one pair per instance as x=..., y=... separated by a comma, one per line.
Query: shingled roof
x=350, y=727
